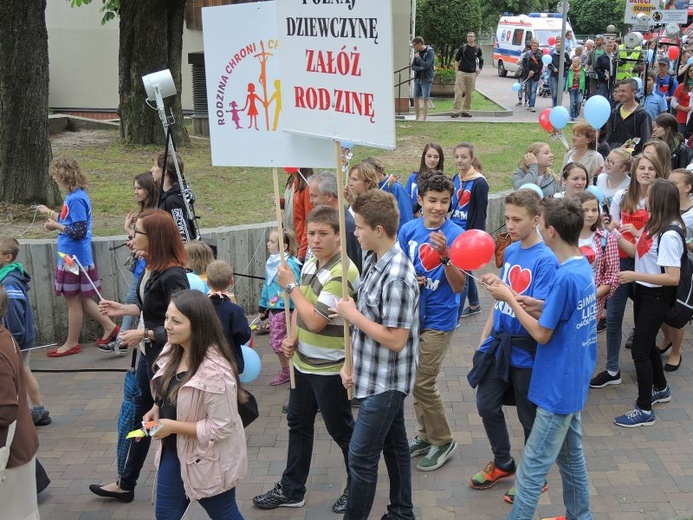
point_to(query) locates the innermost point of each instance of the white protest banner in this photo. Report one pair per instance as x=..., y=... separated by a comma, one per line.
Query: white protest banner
x=337, y=71
x=244, y=94
x=656, y=12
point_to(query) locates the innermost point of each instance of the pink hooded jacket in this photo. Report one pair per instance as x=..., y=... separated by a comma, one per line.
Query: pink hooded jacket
x=216, y=460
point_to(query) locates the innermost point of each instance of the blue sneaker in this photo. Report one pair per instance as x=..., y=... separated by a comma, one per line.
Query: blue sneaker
x=661, y=396
x=635, y=418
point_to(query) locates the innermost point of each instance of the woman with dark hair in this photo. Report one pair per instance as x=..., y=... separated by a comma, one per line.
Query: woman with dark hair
x=432, y=159
x=202, y=453
x=584, y=149
x=147, y=195
x=18, y=489
x=665, y=128
x=156, y=235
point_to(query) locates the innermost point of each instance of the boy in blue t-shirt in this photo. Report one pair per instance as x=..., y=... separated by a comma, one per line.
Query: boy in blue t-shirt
x=503, y=363
x=566, y=334
x=426, y=241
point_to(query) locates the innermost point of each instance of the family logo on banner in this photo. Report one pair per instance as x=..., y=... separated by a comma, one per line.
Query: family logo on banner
x=244, y=94
x=337, y=72
x=657, y=11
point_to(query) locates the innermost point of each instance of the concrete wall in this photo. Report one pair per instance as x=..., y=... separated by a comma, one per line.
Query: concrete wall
x=242, y=246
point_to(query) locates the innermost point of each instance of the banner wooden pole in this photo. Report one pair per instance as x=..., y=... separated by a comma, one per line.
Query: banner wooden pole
x=348, y=356
x=287, y=304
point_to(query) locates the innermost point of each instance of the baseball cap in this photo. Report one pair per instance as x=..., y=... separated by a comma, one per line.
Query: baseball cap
x=664, y=60
x=599, y=37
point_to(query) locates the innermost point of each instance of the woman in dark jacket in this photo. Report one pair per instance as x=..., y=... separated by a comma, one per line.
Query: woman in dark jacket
x=665, y=128
x=157, y=236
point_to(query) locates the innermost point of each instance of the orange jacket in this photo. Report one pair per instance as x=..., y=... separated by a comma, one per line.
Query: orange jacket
x=302, y=207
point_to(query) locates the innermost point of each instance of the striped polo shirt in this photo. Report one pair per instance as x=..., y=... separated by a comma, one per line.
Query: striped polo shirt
x=323, y=353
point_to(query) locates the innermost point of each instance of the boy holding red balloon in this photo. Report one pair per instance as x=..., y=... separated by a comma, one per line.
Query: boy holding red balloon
x=503, y=363
x=566, y=336
x=426, y=241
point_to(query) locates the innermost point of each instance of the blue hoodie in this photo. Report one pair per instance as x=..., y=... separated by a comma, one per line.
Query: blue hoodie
x=19, y=319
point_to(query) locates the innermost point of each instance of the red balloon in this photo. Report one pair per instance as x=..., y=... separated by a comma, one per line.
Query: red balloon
x=552, y=40
x=674, y=53
x=472, y=249
x=544, y=120
x=291, y=169
x=545, y=51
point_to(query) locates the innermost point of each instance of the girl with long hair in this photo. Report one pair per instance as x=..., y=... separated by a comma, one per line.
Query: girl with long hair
x=156, y=236
x=432, y=159
x=657, y=270
x=202, y=450
x=665, y=128
x=574, y=179
x=535, y=168
x=614, y=175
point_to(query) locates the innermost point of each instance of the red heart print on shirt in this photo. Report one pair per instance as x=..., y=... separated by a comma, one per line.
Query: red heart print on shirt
x=519, y=279
x=644, y=245
x=463, y=196
x=588, y=253
x=64, y=211
x=430, y=259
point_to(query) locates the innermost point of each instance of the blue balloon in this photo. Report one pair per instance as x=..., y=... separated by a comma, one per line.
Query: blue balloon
x=559, y=117
x=546, y=59
x=597, y=110
x=196, y=283
x=518, y=86
x=252, y=367
x=639, y=82
x=597, y=192
x=533, y=187
x=689, y=61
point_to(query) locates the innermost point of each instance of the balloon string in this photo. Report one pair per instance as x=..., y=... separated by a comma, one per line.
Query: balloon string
x=468, y=273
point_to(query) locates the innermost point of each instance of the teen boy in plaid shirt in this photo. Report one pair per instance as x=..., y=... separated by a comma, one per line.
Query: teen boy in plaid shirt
x=385, y=342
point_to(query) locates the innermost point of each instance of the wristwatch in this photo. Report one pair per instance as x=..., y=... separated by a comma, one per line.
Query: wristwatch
x=290, y=287
x=445, y=260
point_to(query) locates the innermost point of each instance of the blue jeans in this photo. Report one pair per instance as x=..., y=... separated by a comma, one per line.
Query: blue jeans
x=130, y=322
x=138, y=450
x=380, y=427
x=605, y=90
x=553, y=86
x=171, y=501
x=615, y=309
x=531, y=87
x=556, y=438
x=313, y=392
x=489, y=403
x=470, y=290
x=575, y=102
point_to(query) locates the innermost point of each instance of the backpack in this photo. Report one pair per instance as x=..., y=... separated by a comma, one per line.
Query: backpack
x=681, y=310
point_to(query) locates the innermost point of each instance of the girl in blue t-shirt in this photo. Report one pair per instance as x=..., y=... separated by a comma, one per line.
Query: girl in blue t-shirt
x=73, y=224
x=657, y=253
x=272, y=298
x=432, y=159
x=468, y=211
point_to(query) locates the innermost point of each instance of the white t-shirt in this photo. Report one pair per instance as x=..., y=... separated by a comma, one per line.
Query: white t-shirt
x=616, y=205
x=650, y=256
x=609, y=193
x=687, y=217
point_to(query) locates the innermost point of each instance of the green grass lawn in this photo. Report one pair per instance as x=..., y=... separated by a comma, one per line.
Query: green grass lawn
x=479, y=102
x=231, y=196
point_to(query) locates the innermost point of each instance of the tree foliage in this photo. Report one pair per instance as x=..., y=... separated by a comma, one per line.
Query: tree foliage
x=592, y=16
x=491, y=10
x=110, y=8
x=25, y=149
x=444, y=25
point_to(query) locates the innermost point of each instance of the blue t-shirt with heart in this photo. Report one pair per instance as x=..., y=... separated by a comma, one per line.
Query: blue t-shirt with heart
x=469, y=202
x=529, y=272
x=438, y=304
x=564, y=365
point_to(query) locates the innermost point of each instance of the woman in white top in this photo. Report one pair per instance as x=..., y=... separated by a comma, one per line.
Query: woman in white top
x=613, y=176
x=673, y=338
x=574, y=179
x=657, y=255
x=584, y=149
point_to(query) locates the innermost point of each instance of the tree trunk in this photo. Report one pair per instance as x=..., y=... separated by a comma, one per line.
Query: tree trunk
x=151, y=39
x=25, y=149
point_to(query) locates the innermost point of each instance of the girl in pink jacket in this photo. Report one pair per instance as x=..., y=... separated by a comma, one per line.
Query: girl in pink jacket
x=202, y=453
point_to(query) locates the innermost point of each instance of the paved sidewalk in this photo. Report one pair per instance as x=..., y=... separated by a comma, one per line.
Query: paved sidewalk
x=635, y=474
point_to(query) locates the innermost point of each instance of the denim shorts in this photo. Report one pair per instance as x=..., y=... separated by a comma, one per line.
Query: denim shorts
x=422, y=89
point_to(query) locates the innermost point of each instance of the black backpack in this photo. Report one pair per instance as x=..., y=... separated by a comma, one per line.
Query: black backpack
x=681, y=310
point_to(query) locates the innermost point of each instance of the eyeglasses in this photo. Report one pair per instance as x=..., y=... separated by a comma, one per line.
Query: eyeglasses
x=138, y=232
x=612, y=163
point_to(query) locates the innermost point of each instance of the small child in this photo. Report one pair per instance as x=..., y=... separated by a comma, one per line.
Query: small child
x=232, y=317
x=200, y=255
x=575, y=85
x=600, y=248
x=271, y=300
x=574, y=179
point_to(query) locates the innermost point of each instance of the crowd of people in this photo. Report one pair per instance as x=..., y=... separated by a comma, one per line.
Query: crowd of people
x=615, y=223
